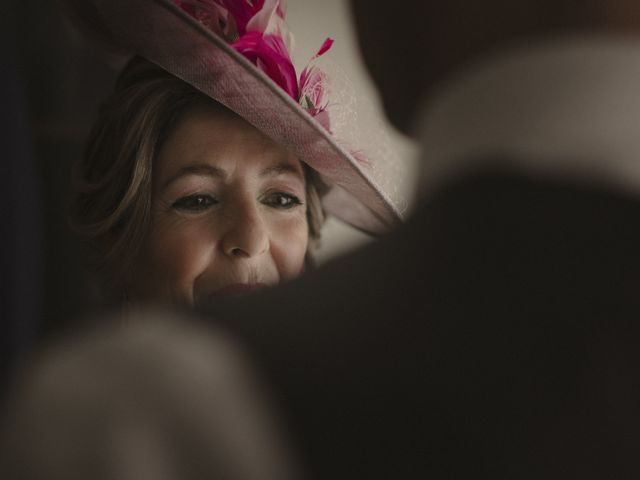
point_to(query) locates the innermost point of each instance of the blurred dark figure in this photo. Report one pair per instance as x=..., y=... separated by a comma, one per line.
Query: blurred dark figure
x=496, y=334
x=20, y=244
x=54, y=83
x=51, y=82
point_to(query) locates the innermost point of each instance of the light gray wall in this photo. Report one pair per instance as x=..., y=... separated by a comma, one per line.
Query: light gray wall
x=311, y=21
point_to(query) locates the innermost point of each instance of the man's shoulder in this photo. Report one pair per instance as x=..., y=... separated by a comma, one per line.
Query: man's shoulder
x=508, y=230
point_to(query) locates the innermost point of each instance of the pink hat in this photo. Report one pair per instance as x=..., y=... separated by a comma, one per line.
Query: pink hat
x=238, y=53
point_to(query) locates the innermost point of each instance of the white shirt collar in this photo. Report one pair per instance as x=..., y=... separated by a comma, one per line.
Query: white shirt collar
x=568, y=107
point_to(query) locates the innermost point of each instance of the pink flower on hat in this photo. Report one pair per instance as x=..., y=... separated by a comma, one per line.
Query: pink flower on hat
x=256, y=29
x=313, y=89
x=269, y=53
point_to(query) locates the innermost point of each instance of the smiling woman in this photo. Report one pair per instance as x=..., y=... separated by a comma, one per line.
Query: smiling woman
x=210, y=167
x=228, y=210
x=183, y=199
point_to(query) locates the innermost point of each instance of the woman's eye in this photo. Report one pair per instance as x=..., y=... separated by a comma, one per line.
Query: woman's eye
x=283, y=201
x=194, y=203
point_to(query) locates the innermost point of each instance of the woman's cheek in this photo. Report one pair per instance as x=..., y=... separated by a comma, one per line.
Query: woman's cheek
x=180, y=251
x=289, y=246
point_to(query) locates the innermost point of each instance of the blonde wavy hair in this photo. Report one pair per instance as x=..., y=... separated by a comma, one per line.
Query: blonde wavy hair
x=111, y=204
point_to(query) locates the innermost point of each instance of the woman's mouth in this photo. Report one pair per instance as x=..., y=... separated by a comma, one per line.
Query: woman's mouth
x=238, y=289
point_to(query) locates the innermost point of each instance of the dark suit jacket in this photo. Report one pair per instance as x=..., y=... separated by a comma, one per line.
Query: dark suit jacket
x=495, y=335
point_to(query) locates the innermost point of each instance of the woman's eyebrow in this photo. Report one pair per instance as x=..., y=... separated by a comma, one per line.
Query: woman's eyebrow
x=197, y=169
x=280, y=169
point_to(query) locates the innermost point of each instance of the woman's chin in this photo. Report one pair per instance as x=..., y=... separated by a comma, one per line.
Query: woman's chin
x=233, y=290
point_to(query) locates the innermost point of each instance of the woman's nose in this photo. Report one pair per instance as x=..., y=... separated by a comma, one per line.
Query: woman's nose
x=247, y=235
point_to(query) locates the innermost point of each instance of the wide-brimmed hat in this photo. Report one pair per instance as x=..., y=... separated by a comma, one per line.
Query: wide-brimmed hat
x=218, y=47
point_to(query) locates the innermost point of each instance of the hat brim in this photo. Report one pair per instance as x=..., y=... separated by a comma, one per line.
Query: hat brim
x=164, y=34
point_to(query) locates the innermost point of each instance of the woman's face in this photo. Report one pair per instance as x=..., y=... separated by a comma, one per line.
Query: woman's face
x=228, y=212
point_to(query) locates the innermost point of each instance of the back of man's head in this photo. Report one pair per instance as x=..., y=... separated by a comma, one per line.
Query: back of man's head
x=412, y=45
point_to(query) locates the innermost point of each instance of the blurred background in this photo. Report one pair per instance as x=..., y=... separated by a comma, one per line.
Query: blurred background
x=53, y=83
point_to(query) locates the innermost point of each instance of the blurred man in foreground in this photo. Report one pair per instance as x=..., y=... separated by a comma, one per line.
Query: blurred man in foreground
x=496, y=334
